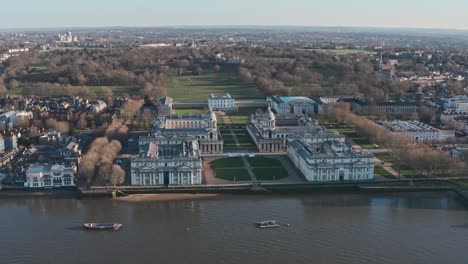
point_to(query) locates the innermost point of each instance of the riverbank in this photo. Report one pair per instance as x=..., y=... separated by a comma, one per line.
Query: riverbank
x=164, y=197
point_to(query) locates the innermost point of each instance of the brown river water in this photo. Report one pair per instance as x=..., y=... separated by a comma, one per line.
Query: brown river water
x=323, y=228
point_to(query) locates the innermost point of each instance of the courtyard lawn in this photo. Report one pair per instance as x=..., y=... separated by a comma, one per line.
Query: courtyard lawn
x=247, y=111
x=264, y=162
x=190, y=112
x=199, y=87
x=385, y=157
x=463, y=183
x=232, y=174
x=364, y=143
x=232, y=162
x=270, y=174
x=382, y=172
x=239, y=120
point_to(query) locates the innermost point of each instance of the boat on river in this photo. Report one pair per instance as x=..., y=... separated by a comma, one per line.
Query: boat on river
x=267, y=224
x=102, y=226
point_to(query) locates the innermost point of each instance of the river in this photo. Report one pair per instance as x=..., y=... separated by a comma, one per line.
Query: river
x=324, y=228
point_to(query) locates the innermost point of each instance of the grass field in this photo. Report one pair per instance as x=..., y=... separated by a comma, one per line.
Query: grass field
x=385, y=157
x=344, y=51
x=267, y=169
x=239, y=120
x=264, y=162
x=270, y=174
x=364, y=143
x=233, y=162
x=463, y=183
x=239, y=174
x=382, y=172
x=199, y=87
x=190, y=111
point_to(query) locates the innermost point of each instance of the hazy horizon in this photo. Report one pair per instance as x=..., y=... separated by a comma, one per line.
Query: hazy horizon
x=401, y=14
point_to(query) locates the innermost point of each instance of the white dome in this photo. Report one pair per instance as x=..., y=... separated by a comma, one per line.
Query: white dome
x=269, y=114
x=211, y=115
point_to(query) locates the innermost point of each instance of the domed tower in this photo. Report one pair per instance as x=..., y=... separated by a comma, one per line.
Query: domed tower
x=211, y=120
x=269, y=119
x=269, y=123
x=211, y=117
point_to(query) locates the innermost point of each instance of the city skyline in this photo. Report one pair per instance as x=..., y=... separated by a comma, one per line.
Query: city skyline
x=140, y=13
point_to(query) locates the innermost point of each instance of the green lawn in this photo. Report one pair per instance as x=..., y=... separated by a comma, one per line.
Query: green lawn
x=386, y=157
x=190, y=111
x=239, y=120
x=345, y=51
x=232, y=174
x=199, y=87
x=364, y=143
x=233, y=162
x=247, y=111
x=463, y=183
x=382, y=172
x=270, y=174
x=220, y=120
x=264, y=162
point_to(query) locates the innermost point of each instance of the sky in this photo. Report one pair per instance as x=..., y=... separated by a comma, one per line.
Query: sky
x=352, y=13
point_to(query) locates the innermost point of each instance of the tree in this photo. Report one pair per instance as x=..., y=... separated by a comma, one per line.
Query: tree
x=13, y=84
x=118, y=175
x=130, y=108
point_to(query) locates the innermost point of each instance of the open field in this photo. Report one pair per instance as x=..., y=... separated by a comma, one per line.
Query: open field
x=199, y=87
x=239, y=174
x=234, y=162
x=239, y=120
x=385, y=157
x=190, y=112
x=264, y=162
x=344, y=51
x=270, y=174
x=463, y=183
x=382, y=172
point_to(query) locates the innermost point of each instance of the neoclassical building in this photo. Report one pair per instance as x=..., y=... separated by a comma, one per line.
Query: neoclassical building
x=50, y=176
x=293, y=104
x=163, y=161
x=330, y=161
x=222, y=102
x=202, y=128
x=271, y=133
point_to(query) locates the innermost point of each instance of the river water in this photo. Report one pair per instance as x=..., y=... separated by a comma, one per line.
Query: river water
x=324, y=228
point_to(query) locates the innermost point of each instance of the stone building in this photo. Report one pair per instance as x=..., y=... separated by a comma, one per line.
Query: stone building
x=202, y=128
x=270, y=133
x=164, y=106
x=330, y=161
x=167, y=162
x=50, y=176
x=293, y=105
x=222, y=102
x=414, y=129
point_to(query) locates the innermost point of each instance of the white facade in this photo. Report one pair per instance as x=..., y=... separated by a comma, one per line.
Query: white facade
x=458, y=104
x=414, y=129
x=99, y=106
x=293, y=105
x=202, y=128
x=330, y=161
x=167, y=162
x=222, y=102
x=48, y=176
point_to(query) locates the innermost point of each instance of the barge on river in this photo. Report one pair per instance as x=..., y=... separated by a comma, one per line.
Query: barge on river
x=102, y=226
